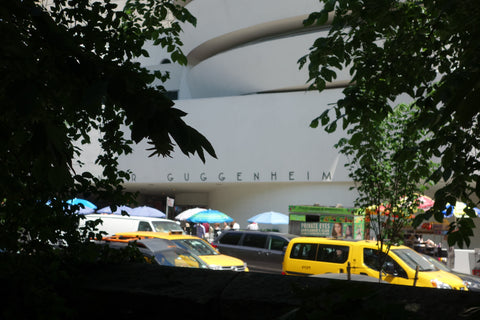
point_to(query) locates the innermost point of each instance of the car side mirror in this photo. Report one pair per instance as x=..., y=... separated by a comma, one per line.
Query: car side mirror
x=389, y=268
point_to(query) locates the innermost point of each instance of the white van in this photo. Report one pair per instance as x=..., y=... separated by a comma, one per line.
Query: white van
x=112, y=224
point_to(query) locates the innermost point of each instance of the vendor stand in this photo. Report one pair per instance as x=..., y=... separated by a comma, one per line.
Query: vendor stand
x=317, y=221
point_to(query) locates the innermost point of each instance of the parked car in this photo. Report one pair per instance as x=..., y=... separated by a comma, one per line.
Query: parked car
x=112, y=223
x=476, y=269
x=160, y=251
x=214, y=259
x=472, y=282
x=399, y=265
x=263, y=251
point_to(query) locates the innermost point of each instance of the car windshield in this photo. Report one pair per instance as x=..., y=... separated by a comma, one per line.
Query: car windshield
x=438, y=264
x=176, y=258
x=197, y=246
x=414, y=259
x=166, y=226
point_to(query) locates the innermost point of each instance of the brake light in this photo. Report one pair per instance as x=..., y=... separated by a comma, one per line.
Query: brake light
x=214, y=245
x=476, y=272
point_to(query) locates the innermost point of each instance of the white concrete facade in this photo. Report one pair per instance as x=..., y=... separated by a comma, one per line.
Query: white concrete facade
x=267, y=155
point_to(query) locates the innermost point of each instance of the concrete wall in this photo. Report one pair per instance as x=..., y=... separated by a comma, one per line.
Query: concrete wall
x=251, y=134
x=245, y=201
x=267, y=155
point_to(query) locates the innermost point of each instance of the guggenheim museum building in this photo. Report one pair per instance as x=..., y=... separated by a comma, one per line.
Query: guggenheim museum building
x=243, y=90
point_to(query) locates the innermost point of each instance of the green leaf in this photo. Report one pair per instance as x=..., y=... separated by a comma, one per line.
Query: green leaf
x=322, y=19
x=331, y=127
x=320, y=84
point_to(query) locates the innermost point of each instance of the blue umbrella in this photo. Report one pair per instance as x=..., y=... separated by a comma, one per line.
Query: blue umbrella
x=210, y=216
x=270, y=217
x=188, y=213
x=146, y=211
x=85, y=210
x=457, y=210
x=118, y=211
x=86, y=203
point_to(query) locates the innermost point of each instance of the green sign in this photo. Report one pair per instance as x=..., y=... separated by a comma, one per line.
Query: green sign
x=324, y=210
x=335, y=218
x=315, y=229
x=297, y=217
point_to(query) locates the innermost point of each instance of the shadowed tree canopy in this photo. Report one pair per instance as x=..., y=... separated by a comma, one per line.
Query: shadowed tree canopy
x=66, y=69
x=427, y=51
x=388, y=187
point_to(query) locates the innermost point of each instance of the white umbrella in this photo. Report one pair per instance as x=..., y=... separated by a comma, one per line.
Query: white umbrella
x=271, y=217
x=146, y=211
x=118, y=211
x=188, y=213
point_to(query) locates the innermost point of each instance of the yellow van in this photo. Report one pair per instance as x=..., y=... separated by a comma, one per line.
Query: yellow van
x=315, y=255
x=214, y=259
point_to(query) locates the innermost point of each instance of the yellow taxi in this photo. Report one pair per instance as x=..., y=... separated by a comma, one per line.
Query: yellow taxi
x=401, y=264
x=201, y=248
x=157, y=251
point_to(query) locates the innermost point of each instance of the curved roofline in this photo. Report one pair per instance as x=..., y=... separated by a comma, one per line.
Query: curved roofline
x=308, y=87
x=243, y=36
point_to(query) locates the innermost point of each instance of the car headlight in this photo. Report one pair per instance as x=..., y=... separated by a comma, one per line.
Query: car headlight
x=472, y=284
x=440, y=285
x=214, y=267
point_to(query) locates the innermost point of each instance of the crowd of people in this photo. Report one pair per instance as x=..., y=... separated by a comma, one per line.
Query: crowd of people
x=209, y=231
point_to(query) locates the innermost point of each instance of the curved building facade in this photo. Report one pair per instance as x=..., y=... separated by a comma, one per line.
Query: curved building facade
x=244, y=91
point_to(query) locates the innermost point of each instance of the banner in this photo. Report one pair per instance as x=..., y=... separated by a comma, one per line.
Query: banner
x=341, y=230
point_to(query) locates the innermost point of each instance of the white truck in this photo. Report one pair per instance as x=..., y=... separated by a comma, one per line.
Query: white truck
x=112, y=224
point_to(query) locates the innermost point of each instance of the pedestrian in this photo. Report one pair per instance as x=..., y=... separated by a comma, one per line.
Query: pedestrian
x=200, y=230
x=216, y=230
x=206, y=226
x=210, y=233
x=235, y=225
x=225, y=227
x=252, y=226
x=188, y=228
